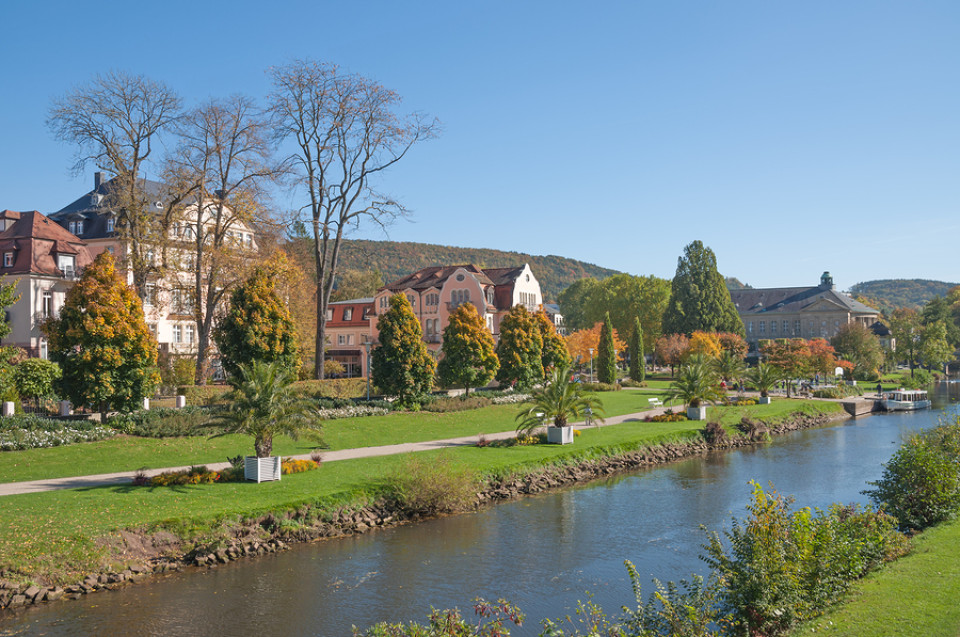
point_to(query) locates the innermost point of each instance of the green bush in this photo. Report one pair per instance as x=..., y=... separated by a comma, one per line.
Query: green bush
x=629, y=382
x=434, y=486
x=34, y=378
x=444, y=405
x=165, y=422
x=920, y=378
x=601, y=387
x=450, y=622
x=207, y=395
x=920, y=485
x=840, y=391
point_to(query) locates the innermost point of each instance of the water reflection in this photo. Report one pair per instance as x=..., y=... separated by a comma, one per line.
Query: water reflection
x=542, y=553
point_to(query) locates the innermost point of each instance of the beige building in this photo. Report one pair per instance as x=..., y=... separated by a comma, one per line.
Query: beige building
x=803, y=312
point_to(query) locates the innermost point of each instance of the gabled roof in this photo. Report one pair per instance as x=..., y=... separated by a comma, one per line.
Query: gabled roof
x=95, y=213
x=434, y=277
x=504, y=276
x=36, y=240
x=790, y=300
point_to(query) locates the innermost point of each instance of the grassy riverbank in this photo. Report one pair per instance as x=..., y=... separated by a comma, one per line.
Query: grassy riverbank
x=57, y=536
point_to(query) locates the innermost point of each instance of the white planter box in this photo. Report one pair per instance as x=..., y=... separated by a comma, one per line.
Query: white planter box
x=697, y=413
x=560, y=435
x=261, y=469
x=763, y=400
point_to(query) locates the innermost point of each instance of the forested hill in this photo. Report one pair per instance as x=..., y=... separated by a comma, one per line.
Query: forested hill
x=395, y=259
x=889, y=294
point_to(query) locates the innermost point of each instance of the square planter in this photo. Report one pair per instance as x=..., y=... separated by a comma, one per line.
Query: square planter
x=560, y=435
x=763, y=400
x=697, y=413
x=261, y=469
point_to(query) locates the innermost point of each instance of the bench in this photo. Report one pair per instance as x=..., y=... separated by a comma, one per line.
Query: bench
x=655, y=402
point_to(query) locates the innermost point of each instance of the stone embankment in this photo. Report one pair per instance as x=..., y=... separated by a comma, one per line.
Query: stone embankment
x=305, y=524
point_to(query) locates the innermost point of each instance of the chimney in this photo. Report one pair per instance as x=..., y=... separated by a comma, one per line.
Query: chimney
x=97, y=180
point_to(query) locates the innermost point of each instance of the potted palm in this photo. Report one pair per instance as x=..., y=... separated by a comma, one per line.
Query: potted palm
x=764, y=377
x=696, y=385
x=560, y=401
x=263, y=404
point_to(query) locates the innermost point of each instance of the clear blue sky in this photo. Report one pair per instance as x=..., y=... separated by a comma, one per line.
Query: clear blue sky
x=791, y=138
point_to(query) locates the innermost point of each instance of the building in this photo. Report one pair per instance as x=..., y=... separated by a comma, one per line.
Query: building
x=801, y=312
x=348, y=328
x=44, y=259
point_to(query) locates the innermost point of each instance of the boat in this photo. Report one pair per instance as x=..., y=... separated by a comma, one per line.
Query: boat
x=905, y=400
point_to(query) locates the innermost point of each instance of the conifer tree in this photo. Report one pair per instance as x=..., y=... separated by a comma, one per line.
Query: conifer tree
x=606, y=355
x=468, y=350
x=699, y=299
x=258, y=326
x=520, y=349
x=638, y=369
x=402, y=366
x=101, y=342
x=554, y=354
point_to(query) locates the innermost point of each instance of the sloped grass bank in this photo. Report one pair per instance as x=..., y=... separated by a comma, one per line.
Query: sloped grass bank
x=58, y=538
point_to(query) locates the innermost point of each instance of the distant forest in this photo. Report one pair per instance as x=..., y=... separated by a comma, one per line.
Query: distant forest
x=396, y=259
x=890, y=294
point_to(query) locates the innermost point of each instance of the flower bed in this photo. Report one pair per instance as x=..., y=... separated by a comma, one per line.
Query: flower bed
x=668, y=416
x=33, y=433
x=202, y=475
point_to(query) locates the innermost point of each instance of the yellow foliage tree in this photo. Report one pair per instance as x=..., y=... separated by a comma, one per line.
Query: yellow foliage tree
x=706, y=343
x=580, y=343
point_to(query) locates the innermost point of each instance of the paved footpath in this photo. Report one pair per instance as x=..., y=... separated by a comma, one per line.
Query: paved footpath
x=125, y=477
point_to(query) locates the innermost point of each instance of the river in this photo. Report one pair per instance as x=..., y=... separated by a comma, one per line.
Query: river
x=542, y=553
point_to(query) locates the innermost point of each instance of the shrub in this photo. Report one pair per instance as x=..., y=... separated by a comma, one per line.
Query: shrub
x=667, y=416
x=444, y=405
x=739, y=402
x=297, y=466
x=920, y=484
x=435, y=485
x=629, y=382
x=601, y=387
x=714, y=434
x=920, y=378
x=448, y=622
x=754, y=429
x=193, y=475
x=207, y=395
x=164, y=422
x=840, y=391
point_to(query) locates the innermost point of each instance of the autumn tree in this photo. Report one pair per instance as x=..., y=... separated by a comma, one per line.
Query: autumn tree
x=580, y=343
x=858, y=345
x=347, y=130
x=699, y=299
x=520, y=349
x=554, y=351
x=606, y=354
x=706, y=344
x=468, y=350
x=823, y=359
x=115, y=121
x=671, y=349
x=789, y=355
x=402, y=366
x=638, y=367
x=357, y=284
x=106, y=353
x=733, y=343
x=257, y=326
x=219, y=170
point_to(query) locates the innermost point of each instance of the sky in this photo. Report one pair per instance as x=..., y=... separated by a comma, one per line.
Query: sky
x=789, y=137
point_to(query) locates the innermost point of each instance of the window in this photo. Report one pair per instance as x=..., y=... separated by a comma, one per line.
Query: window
x=341, y=339
x=366, y=313
x=412, y=299
x=188, y=335
x=111, y=222
x=181, y=301
x=47, y=307
x=76, y=227
x=151, y=296
x=66, y=264
x=348, y=314
x=384, y=301
x=248, y=240
x=749, y=327
x=773, y=328
x=110, y=249
x=8, y=259
x=796, y=327
x=177, y=334
x=329, y=314
x=763, y=325
x=786, y=327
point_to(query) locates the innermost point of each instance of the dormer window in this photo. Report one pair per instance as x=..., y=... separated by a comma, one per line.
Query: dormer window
x=348, y=314
x=8, y=259
x=111, y=222
x=76, y=227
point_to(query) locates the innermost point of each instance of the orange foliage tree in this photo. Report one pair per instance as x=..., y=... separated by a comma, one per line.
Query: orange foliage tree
x=671, y=349
x=580, y=343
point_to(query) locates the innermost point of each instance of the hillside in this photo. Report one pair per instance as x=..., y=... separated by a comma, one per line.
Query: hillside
x=395, y=259
x=889, y=294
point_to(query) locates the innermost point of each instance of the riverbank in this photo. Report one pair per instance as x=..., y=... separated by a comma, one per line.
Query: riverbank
x=55, y=538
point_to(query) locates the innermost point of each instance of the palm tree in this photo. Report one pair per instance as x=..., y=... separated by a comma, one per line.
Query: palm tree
x=264, y=404
x=695, y=384
x=560, y=400
x=764, y=376
x=728, y=366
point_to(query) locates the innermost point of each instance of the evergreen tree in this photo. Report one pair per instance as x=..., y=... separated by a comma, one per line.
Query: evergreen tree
x=8, y=296
x=699, y=299
x=402, y=366
x=606, y=354
x=638, y=369
x=520, y=349
x=258, y=326
x=554, y=354
x=106, y=353
x=468, y=350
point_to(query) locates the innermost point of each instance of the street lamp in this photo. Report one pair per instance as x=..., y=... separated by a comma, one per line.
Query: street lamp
x=591, y=364
x=366, y=346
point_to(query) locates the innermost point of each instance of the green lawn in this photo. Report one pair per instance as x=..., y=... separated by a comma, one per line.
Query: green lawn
x=128, y=454
x=916, y=595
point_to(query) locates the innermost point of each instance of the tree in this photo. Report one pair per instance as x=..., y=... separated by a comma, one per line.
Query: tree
x=728, y=366
x=699, y=299
x=8, y=297
x=705, y=344
x=115, y=120
x=577, y=302
x=34, y=378
x=520, y=349
x=905, y=328
x=468, y=350
x=264, y=404
x=939, y=310
x=791, y=356
x=734, y=344
x=935, y=348
x=764, y=377
x=638, y=367
x=823, y=358
x=402, y=366
x=220, y=170
x=606, y=355
x=671, y=349
x=559, y=400
x=101, y=342
x=357, y=284
x=858, y=345
x=554, y=351
x=347, y=131
x=257, y=327
x=696, y=384
x=624, y=296
x=580, y=343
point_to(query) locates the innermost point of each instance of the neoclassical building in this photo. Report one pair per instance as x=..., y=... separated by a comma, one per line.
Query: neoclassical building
x=802, y=312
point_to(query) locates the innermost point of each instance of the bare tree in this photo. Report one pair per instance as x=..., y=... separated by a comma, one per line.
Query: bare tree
x=219, y=172
x=347, y=129
x=115, y=120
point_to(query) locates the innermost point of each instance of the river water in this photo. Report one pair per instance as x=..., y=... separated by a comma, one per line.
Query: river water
x=542, y=553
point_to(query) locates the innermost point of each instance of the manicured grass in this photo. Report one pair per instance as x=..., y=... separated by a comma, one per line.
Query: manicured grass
x=129, y=454
x=916, y=595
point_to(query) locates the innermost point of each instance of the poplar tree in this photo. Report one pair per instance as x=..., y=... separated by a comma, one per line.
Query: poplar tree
x=638, y=370
x=402, y=366
x=101, y=342
x=520, y=349
x=699, y=299
x=258, y=326
x=554, y=354
x=468, y=350
x=606, y=355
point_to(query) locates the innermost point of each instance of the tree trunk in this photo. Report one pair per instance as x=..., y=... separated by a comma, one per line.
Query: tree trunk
x=263, y=445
